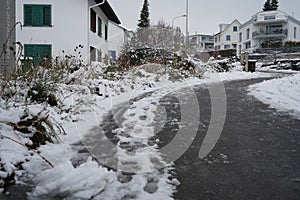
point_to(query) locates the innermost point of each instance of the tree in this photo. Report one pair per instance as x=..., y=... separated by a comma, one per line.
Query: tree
x=267, y=6
x=144, y=20
x=274, y=4
x=270, y=5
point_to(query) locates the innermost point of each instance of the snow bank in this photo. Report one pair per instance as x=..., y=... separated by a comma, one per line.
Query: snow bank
x=282, y=94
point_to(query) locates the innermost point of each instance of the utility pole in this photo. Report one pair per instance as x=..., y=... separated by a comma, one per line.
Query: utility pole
x=187, y=22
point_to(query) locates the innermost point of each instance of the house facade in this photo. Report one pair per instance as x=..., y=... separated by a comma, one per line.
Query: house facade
x=267, y=29
x=227, y=37
x=202, y=42
x=118, y=38
x=59, y=28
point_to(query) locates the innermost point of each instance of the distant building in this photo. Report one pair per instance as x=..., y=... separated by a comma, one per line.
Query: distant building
x=58, y=28
x=227, y=37
x=118, y=38
x=267, y=29
x=202, y=42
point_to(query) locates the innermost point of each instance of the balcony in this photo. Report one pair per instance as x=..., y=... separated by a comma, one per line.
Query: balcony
x=270, y=19
x=279, y=33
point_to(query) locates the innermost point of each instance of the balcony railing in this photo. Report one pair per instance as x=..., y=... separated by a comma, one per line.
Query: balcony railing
x=270, y=19
x=279, y=33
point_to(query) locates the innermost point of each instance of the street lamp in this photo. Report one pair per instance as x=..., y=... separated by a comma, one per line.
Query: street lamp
x=187, y=21
x=176, y=18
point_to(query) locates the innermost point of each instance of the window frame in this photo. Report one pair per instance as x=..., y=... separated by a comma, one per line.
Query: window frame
x=37, y=48
x=226, y=46
x=248, y=33
x=99, y=32
x=228, y=37
x=106, y=32
x=93, y=20
x=37, y=15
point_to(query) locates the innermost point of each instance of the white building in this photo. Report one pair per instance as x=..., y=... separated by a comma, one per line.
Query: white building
x=118, y=38
x=227, y=37
x=267, y=29
x=202, y=42
x=64, y=27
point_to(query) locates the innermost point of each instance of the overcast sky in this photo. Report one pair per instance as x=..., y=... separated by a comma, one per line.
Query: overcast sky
x=204, y=15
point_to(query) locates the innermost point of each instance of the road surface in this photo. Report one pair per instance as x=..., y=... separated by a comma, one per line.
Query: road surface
x=256, y=157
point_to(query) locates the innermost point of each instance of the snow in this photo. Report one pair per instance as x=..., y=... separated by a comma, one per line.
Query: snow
x=282, y=94
x=84, y=102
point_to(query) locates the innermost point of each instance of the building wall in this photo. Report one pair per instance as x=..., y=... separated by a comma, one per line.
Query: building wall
x=220, y=38
x=116, y=38
x=70, y=28
x=94, y=40
x=200, y=45
x=291, y=26
x=7, y=22
x=258, y=24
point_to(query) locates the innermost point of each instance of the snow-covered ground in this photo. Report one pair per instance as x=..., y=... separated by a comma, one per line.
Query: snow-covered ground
x=282, y=94
x=139, y=173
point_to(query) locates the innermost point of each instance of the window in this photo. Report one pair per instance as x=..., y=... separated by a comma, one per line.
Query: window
x=193, y=40
x=93, y=20
x=228, y=37
x=37, y=15
x=248, y=33
x=275, y=29
x=106, y=32
x=240, y=37
x=248, y=45
x=270, y=17
x=216, y=39
x=92, y=53
x=99, y=27
x=37, y=51
x=235, y=29
x=295, y=32
x=226, y=46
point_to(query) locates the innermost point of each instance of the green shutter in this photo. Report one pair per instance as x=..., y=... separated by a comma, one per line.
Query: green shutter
x=28, y=15
x=37, y=51
x=99, y=27
x=28, y=50
x=47, y=15
x=37, y=15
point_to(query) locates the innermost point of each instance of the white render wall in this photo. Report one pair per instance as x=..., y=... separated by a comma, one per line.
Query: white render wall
x=221, y=37
x=116, y=38
x=71, y=26
x=94, y=40
x=284, y=20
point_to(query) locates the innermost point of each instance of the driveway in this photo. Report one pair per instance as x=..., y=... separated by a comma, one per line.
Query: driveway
x=256, y=157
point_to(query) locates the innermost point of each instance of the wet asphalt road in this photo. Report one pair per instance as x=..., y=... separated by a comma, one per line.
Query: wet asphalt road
x=257, y=156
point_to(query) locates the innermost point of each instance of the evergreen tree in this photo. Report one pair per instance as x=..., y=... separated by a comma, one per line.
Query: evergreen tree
x=270, y=5
x=274, y=5
x=144, y=20
x=267, y=6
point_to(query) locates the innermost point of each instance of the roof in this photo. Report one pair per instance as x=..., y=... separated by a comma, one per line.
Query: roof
x=108, y=11
x=229, y=25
